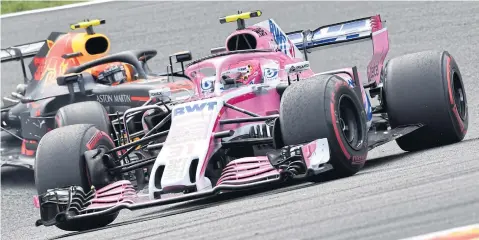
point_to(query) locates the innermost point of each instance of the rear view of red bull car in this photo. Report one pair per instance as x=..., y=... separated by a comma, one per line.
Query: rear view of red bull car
x=259, y=115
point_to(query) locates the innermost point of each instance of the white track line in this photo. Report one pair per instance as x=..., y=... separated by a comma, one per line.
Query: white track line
x=458, y=230
x=92, y=2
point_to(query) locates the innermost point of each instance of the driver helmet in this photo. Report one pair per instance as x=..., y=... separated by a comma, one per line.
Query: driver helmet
x=249, y=74
x=114, y=73
x=253, y=76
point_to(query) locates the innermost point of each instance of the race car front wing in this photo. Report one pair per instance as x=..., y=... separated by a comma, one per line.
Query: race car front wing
x=290, y=162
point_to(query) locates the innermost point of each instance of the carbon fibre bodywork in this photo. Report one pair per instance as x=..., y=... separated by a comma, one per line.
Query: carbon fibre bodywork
x=38, y=99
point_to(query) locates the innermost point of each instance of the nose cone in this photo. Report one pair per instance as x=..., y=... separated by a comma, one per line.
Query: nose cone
x=180, y=164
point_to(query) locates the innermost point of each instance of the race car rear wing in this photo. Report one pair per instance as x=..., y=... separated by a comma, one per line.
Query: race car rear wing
x=19, y=52
x=368, y=28
x=343, y=32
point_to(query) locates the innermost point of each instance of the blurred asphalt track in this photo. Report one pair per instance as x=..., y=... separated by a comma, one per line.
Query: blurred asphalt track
x=397, y=195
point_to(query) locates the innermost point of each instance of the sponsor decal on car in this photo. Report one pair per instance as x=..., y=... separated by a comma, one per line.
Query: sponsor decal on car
x=273, y=45
x=195, y=107
x=373, y=71
x=259, y=31
x=297, y=67
x=284, y=44
x=243, y=69
x=162, y=93
x=207, y=84
x=270, y=74
x=121, y=98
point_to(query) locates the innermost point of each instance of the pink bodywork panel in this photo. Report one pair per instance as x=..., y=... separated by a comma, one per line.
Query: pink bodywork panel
x=117, y=192
x=380, y=41
x=246, y=170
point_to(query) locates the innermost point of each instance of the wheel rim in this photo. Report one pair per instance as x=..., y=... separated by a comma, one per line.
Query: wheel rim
x=350, y=123
x=459, y=96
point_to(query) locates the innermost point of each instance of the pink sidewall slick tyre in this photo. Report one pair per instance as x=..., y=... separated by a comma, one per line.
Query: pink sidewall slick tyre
x=325, y=106
x=427, y=88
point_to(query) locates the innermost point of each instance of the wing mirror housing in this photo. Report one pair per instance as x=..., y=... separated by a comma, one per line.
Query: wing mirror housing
x=183, y=56
x=218, y=50
x=69, y=80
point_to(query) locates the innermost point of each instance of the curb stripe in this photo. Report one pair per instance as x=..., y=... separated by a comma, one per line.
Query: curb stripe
x=68, y=6
x=469, y=232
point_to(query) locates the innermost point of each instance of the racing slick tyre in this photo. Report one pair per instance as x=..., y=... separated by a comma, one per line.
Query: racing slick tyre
x=60, y=163
x=325, y=106
x=89, y=112
x=426, y=88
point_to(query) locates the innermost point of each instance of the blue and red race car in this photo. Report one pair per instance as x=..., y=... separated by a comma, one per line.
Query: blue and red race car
x=120, y=81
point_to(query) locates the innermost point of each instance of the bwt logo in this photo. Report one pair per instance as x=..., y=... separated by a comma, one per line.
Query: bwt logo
x=197, y=107
x=281, y=39
x=271, y=72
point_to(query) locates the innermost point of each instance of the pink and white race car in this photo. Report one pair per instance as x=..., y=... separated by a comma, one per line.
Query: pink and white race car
x=259, y=115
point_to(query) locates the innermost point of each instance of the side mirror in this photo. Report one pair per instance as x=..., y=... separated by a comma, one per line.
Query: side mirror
x=69, y=80
x=183, y=56
x=218, y=50
x=180, y=58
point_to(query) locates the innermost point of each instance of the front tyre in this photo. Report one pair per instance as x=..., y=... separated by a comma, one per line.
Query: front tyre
x=325, y=106
x=60, y=163
x=89, y=112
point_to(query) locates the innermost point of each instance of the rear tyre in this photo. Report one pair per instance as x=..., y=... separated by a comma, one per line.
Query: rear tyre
x=60, y=163
x=325, y=106
x=427, y=88
x=89, y=112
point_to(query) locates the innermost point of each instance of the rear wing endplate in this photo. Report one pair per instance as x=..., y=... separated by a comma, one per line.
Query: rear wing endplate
x=368, y=28
x=19, y=52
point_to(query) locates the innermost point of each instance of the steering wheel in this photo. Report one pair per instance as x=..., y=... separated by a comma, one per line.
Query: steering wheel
x=130, y=57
